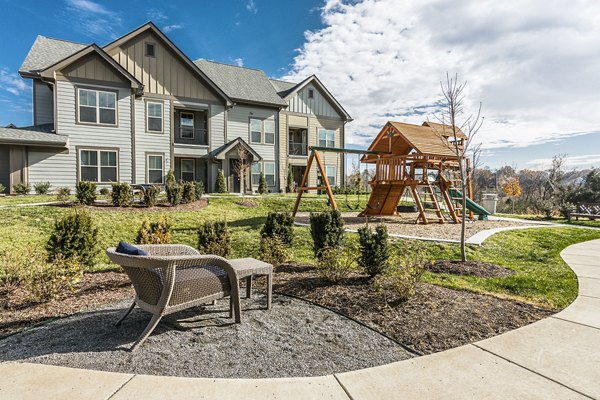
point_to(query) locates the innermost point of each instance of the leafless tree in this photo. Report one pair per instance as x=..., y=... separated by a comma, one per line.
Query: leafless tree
x=454, y=120
x=241, y=168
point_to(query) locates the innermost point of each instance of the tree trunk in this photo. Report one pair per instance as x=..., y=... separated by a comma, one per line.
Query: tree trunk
x=463, y=212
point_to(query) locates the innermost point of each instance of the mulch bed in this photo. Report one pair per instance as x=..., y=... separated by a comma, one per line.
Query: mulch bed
x=469, y=268
x=247, y=203
x=435, y=319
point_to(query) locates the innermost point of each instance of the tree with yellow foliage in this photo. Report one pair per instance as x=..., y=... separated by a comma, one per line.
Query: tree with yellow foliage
x=512, y=188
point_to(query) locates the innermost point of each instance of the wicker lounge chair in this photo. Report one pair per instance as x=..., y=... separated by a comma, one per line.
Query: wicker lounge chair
x=172, y=278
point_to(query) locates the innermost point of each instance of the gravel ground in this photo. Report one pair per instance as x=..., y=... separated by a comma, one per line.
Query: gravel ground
x=295, y=338
x=404, y=224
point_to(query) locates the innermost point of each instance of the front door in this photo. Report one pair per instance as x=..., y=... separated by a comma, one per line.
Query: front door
x=298, y=173
x=234, y=180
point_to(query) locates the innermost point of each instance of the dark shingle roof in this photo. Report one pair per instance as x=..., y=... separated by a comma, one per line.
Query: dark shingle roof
x=33, y=135
x=240, y=83
x=47, y=51
x=283, y=88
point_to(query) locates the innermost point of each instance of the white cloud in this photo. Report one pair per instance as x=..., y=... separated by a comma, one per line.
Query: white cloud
x=251, y=6
x=156, y=15
x=583, y=161
x=172, y=27
x=93, y=19
x=89, y=7
x=12, y=83
x=238, y=61
x=533, y=65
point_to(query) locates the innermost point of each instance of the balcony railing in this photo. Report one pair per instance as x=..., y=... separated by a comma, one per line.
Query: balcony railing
x=188, y=135
x=298, y=149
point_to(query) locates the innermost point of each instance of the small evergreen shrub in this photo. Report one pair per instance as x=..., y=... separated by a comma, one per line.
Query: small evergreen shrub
x=74, y=238
x=374, y=249
x=150, y=196
x=42, y=187
x=289, y=186
x=274, y=251
x=213, y=238
x=154, y=232
x=262, y=184
x=336, y=263
x=63, y=193
x=199, y=189
x=85, y=192
x=279, y=225
x=174, y=194
x=170, y=178
x=121, y=194
x=2, y=188
x=105, y=191
x=404, y=273
x=327, y=230
x=220, y=185
x=188, y=192
x=21, y=188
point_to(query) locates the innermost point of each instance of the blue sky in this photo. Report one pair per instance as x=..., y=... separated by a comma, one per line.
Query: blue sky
x=534, y=67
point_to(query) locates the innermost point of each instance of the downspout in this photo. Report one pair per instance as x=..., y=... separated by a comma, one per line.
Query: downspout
x=133, y=152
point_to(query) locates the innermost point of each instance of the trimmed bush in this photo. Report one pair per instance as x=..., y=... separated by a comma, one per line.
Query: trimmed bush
x=327, y=230
x=105, y=191
x=2, y=188
x=374, y=249
x=42, y=187
x=150, y=196
x=155, y=232
x=220, y=185
x=85, y=192
x=262, y=184
x=62, y=194
x=188, y=192
x=21, y=188
x=199, y=189
x=274, y=251
x=213, y=238
x=404, y=273
x=336, y=263
x=121, y=194
x=75, y=238
x=174, y=194
x=279, y=225
x=171, y=181
x=289, y=186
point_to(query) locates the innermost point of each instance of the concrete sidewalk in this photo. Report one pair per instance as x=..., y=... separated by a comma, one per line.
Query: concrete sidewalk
x=555, y=358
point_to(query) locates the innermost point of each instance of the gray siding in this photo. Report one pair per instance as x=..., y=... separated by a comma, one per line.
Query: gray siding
x=43, y=104
x=4, y=167
x=318, y=105
x=151, y=142
x=216, y=126
x=59, y=164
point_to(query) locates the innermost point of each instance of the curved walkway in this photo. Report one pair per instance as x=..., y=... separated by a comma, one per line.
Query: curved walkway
x=555, y=358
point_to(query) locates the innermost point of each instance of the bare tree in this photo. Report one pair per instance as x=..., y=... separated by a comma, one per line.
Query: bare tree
x=454, y=121
x=241, y=168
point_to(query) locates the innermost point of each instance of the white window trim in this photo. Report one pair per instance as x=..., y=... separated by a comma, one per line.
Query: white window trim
x=319, y=130
x=162, y=175
x=162, y=116
x=262, y=136
x=97, y=107
x=263, y=170
x=259, y=163
x=262, y=131
x=99, y=163
x=334, y=174
x=193, y=168
x=193, y=125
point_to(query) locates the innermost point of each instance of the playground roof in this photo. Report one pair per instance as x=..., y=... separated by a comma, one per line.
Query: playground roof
x=445, y=130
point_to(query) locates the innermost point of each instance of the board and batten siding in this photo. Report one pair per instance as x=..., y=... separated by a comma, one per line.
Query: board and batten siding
x=318, y=105
x=93, y=67
x=43, y=103
x=61, y=169
x=165, y=73
x=151, y=142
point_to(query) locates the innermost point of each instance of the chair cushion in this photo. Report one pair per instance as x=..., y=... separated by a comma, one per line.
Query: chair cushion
x=126, y=248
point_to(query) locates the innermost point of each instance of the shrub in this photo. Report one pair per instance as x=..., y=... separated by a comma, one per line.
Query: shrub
x=170, y=178
x=262, y=184
x=121, y=195
x=85, y=192
x=174, y=194
x=188, y=192
x=42, y=187
x=213, y=238
x=75, y=238
x=21, y=188
x=289, y=186
x=566, y=209
x=155, y=232
x=327, y=230
x=274, y=251
x=150, y=196
x=280, y=225
x=105, y=191
x=199, y=189
x=335, y=263
x=405, y=272
x=62, y=194
x=374, y=249
x=2, y=188
x=220, y=185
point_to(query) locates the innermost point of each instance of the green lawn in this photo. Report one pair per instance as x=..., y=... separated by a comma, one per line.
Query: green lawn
x=27, y=199
x=581, y=222
x=541, y=276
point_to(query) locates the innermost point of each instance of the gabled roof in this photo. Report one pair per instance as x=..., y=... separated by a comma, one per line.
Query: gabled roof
x=283, y=88
x=244, y=85
x=47, y=51
x=220, y=152
x=445, y=130
x=150, y=26
x=315, y=81
x=48, y=72
x=39, y=135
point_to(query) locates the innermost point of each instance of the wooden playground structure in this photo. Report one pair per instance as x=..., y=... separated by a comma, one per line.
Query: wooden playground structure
x=418, y=159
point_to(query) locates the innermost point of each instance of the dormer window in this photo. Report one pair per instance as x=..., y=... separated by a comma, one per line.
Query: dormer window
x=150, y=50
x=311, y=94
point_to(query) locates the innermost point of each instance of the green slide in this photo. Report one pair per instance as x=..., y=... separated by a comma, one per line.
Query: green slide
x=471, y=205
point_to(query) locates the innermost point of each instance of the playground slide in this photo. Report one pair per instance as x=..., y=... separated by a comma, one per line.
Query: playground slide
x=471, y=205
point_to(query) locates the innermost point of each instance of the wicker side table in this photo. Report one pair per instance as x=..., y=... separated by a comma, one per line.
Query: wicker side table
x=247, y=268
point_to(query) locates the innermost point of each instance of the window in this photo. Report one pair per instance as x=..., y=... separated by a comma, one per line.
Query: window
x=326, y=138
x=311, y=94
x=91, y=170
x=255, y=130
x=255, y=173
x=269, y=131
x=97, y=107
x=154, y=113
x=330, y=171
x=186, y=125
x=149, y=51
x=270, y=173
x=155, y=168
x=188, y=169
